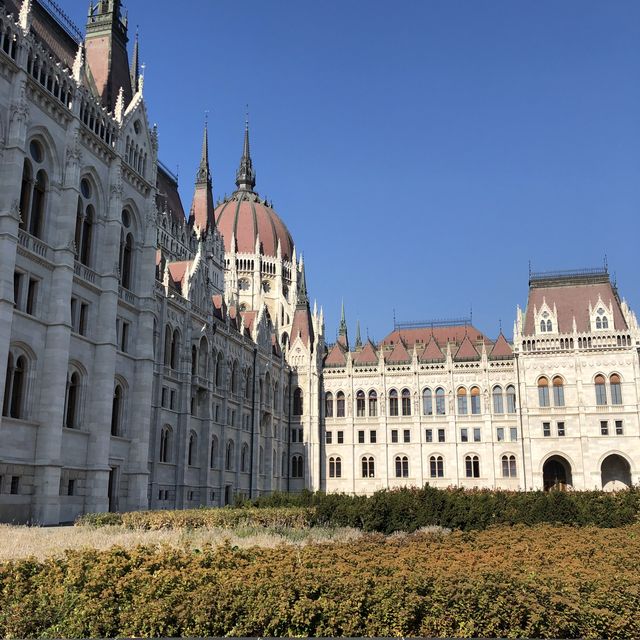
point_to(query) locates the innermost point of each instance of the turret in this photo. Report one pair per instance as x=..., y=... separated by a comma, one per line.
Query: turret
x=245, y=176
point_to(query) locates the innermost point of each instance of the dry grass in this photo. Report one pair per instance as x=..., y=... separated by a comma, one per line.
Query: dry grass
x=42, y=542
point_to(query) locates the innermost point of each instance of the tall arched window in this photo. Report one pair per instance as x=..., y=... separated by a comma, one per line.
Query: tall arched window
x=192, y=450
x=297, y=467
x=14, y=387
x=543, y=392
x=234, y=380
x=247, y=383
x=116, y=411
x=402, y=466
x=175, y=349
x=213, y=453
x=276, y=396
x=509, y=466
x=360, y=404
x=85, y=220
x=368, y=467
x=558, y=391
x=167, y=345
x=126, y=251
x=25, y=194
x=462, y=401
x=427, y=402
x=436, y=467
x=328, y=405
x=194, y=359
x=511, y=399
x=33, y=192
x=340, y=406
x=393, y=402
x=498, y=404
x=228, y=460
x=601, y=390
x=244, y=458
x=373, y=403
x=298, y=404
x=203, y=357
x=72, y=400
x=440, y=401
x=165, y=444
x=406, y=402
x=219, y=368
x=335, y=467
x=616, y=389
x=472, y=466
x=475, y=401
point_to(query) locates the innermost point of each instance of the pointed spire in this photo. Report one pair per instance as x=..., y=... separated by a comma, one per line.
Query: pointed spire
x=202, y=210
x=204, y=175
x=303, y=300
x=245, y=176
x=343, y=338
x=135, y=65
x=358, y=338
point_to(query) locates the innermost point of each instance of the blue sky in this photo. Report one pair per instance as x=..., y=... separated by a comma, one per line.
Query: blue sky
x=420, y=152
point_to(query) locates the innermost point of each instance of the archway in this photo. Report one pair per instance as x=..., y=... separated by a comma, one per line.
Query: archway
x=615, y=473
x=556, y=474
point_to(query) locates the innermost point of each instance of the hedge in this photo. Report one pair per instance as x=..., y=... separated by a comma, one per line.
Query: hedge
x=544, y=582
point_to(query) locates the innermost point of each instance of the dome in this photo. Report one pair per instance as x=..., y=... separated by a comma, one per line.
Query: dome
x=247, y=216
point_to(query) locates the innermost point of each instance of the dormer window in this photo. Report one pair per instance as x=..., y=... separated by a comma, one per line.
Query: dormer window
x=602, y=322
x=545, y=323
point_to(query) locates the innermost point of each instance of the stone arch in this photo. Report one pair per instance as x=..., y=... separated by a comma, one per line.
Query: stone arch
x=615, y=472
x=51, y=151
x=89, y=171
x=557, y=473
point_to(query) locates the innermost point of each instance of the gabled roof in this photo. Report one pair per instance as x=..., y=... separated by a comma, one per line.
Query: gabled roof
x=366, y=355
x=466, y=351
x=302, y=326
x=178, y=270
x=399, y=353
x=168, y=198
x=336, y=356
x=442, y=335
x=501, y=348
x=248, y=318
x=219, y=306
x=432, y=352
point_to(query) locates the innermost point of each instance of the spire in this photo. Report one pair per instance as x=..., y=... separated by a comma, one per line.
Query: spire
x=245, y=176
x=358, y=338
x=135, y=65
x=303, y=300
x=204, y=174
x=202, y=212
x=343, y=338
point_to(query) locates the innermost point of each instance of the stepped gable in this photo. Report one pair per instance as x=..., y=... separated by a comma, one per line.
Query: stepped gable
x=442, y=335
x=167, y=198
x=501, y=348
x=336, y=356
x=398, y=354
x=432, y=352
x=366, y=355
x=467, y=351
x=571, y=292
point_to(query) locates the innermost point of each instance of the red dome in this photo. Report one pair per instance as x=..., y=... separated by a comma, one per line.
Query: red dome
x=247, y=216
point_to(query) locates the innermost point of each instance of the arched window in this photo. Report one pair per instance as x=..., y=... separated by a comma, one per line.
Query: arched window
x=605, y=322
x=213, y=453
x=192, y=450
x=511, y=399
x=175, y=349
x=328, y=405
x=285, y=402
x=85, y=220
x=203, y=358
x=244, y=458
x=298, y=404
x=558, y=391
x=297, y=467
x=462, y=401
x=72, y=401
x=406, y=402
x=25, y=194
x=368, y=467
x=543, y=392
x=498, y=404
x=393, y=402
x=340, y=405
x=167, y=345
x=475, y=401
x=165, y=444
x=509, y=466
x=402, y=466
x=276, y=396
x=616, y=389
x=427, y=402
x=335, y=467
x=247, y=383
x=14, y=387
x=219, y=369
x=373, y=403
x=440, y=403
x=194, y=360
x=33, y=192
x=126, y=251
x=360, y=404
x=228, y=460
x=436, y=467
x=601, y=390
x=234, y=380
x=543, y=326
x=472, y=466
x=116, y=411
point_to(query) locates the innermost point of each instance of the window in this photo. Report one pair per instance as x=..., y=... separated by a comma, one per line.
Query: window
x=15, y=485
x=340, y=437
x=511, y=399
x=79, y=316
x=72, y=400
x=123, y=340
x=328, y=405
x=340, y=405
x=244, y=458
x=427, y=402
x=360, y=404
x=440, y=408
x=394, y=435
x=126, y=251
x=368, y=467
x=406, y=435
x=33, y=192
x=335, y=467
x=192, y=449
x=361, y=437
x=172, y=401
x=175, y=350
x=402, y=467
x=298, y=404
x=476, y=434
x=373, y=403
x=546, y=429
x=472, y=466
x=436, y=467
x=604, y=428
x=616, y=392
x=393, y=402
x=32, y=296
x=85, y=221
x=165, y=395
x=71, y=486
x=475, y=401
x=372, y=436
x=15, y=387
x=228, y=459
x=560, y=426
x=406, y=402
x=462, y=401
x=297, y=467
x=327, y=437
x=428, y=435
x=543, y=392
x=116, y=411
x=498, y=405
x=558, y=391
x=213, y=453
x=513, y=434
x=18, y=278
x=464, y=436
x=500, y=434
x=601, y=391
x=619, y=429
x=165, y=444
x=440, y=435
x=509, y=466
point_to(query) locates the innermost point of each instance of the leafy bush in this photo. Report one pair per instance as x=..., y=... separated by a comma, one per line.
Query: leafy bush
x=99, y=520
x=545, y=581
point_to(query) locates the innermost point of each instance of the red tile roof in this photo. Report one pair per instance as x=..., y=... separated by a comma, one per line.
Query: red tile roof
x=248, y=317
x=442, y=335
x=432, y=352
x=219, y=306
x=398, y=354
x=177, y=270
x=302, y=326
x=336, y=356
x=367, y=355
x=501, y=348
x=168, y=198
x=466, y=351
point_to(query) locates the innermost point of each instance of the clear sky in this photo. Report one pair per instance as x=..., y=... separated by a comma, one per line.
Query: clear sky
x=420, y=152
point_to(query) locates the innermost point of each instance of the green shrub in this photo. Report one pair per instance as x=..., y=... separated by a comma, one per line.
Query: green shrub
x=99, y=520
